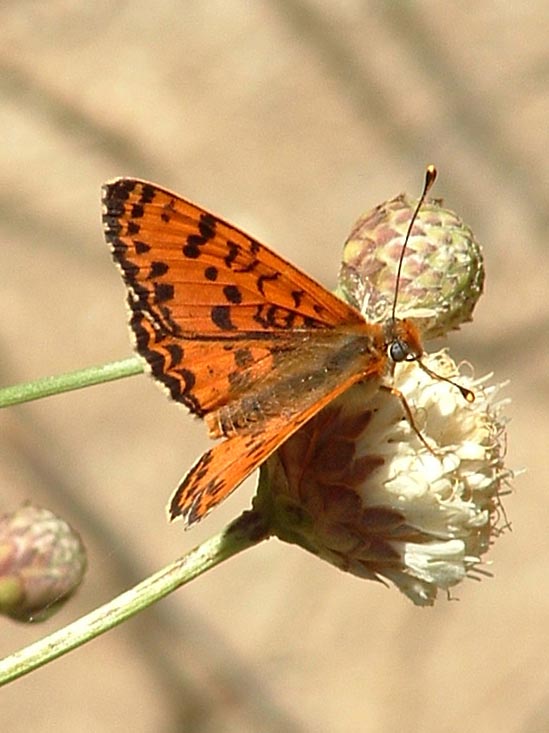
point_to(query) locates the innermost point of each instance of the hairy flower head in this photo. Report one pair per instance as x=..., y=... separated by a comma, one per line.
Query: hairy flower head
x=357, y=486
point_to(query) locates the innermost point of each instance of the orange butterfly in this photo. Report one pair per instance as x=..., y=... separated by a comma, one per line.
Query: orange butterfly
x=236, y=333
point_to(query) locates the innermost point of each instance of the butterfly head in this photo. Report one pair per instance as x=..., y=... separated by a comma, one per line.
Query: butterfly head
x=402, y=340
x=403, y=343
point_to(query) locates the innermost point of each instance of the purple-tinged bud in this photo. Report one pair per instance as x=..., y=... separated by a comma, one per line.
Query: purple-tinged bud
x=42, y=562
x=442, y=275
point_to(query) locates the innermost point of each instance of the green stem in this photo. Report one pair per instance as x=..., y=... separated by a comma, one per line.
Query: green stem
x=244, y=532
x=48, y=386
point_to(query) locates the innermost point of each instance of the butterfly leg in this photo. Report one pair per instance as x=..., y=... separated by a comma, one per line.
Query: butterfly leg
x=408, y=412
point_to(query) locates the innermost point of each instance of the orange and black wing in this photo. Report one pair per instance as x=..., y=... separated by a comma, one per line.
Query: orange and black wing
x=232, y=330
x=212, y=310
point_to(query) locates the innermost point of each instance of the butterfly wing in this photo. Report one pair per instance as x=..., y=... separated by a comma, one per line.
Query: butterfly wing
x=232, y=330
x=212, y=310
x=220, y=470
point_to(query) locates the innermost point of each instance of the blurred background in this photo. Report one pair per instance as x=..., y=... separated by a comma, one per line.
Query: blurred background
x=289, y=118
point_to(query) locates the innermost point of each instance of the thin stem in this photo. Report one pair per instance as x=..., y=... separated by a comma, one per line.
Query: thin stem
x=48, y=386
x=244, y=532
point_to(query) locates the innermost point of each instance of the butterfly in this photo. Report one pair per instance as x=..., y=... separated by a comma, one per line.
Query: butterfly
x=236, y=333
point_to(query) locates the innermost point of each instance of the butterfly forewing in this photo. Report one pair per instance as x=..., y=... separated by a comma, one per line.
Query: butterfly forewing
x=207, y=300
x=200, y=265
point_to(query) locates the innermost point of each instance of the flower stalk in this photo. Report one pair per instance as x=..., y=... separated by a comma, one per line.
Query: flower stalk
x=54, y=385
x=246, y=531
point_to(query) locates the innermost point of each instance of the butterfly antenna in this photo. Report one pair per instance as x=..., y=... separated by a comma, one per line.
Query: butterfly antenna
x=467, y=394
x=430, y=178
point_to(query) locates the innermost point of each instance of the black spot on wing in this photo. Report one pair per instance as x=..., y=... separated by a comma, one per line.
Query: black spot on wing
x=254, y=246
x=157, y=269
x=206, y=226
x=273, y=317
x=141, y=247
x=115, y=194
x=148, y=194
x=206, y=232
x=163, y=292
x=221, y=317
x=297, y=296
x=233, y=294
x=190, y=249
x=233, y=252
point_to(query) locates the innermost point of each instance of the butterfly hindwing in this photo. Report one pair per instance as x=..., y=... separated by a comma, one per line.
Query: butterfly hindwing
x=221, y=469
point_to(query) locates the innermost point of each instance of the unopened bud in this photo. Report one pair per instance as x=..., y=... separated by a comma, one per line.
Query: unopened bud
x=442, y=274
x=42, y=562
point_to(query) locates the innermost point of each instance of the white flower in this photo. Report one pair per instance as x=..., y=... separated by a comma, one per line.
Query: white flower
x=359, y=487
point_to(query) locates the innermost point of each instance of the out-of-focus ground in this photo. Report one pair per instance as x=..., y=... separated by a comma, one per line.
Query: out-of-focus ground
x=288, y=118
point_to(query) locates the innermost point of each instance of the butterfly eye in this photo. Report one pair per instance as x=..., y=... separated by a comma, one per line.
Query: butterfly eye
x=400, y=350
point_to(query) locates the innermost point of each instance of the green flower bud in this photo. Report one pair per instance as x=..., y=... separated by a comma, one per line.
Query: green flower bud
x=442, y=274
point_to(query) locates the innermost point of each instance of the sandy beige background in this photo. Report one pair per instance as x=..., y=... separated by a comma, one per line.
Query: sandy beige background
x=288, y=117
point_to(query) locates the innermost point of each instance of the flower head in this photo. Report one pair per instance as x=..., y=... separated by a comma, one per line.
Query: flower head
x=358, y=487
x=402, y=482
